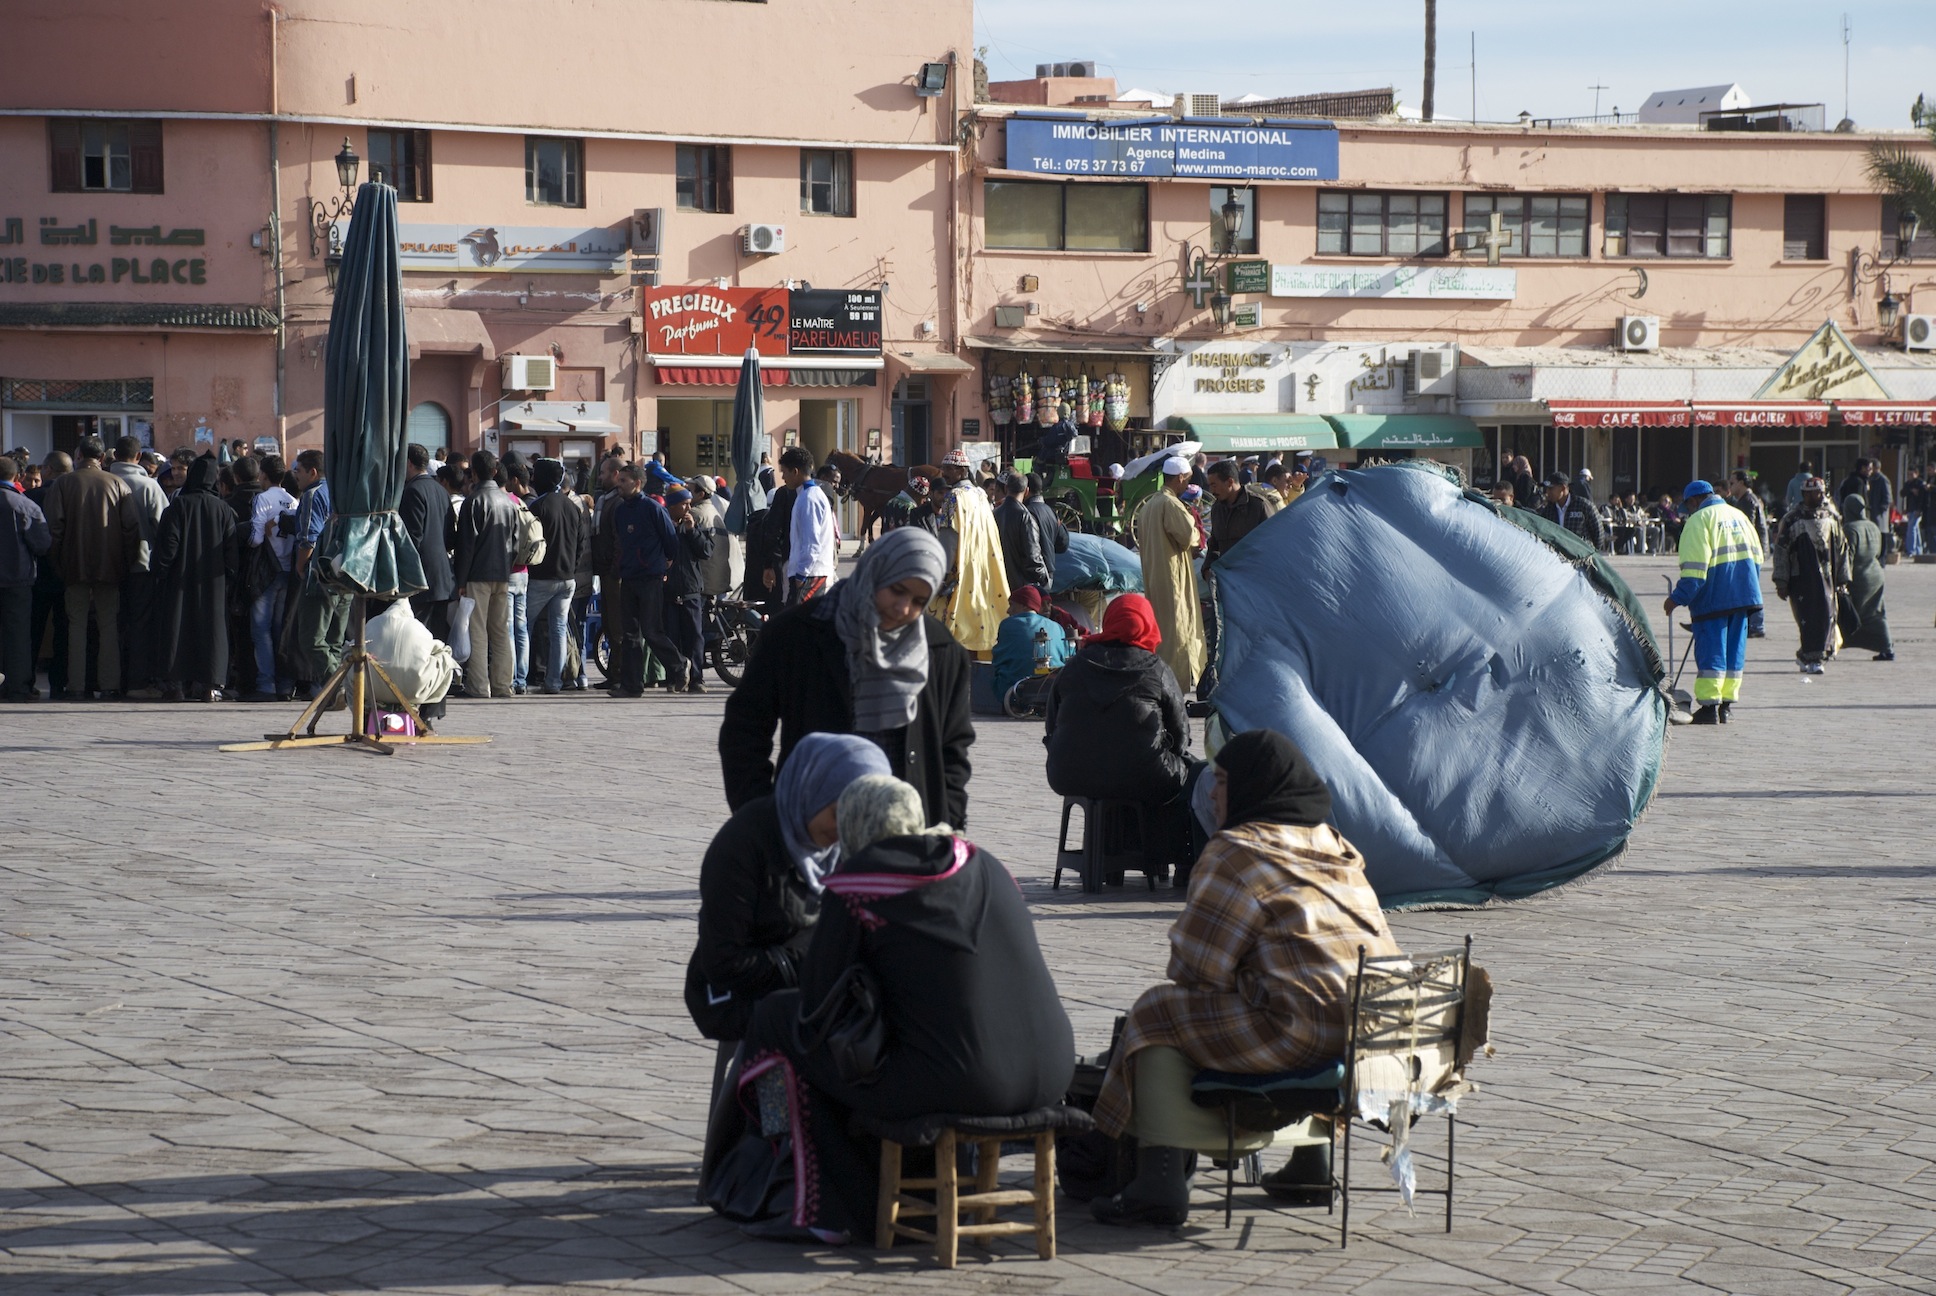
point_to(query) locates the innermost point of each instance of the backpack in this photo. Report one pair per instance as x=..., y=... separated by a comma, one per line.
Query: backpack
x=529, y=547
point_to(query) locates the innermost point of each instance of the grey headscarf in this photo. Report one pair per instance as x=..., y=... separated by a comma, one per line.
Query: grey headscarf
x=888, y=669
x=820, y=766
x=878, y=806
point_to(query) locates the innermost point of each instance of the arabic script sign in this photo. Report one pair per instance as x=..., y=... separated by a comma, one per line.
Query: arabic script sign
x=1440, y=283
x=76, y=241
x=503, y=248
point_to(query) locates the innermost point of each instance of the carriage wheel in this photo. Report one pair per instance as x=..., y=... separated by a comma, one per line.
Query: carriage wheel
x=1069, y=515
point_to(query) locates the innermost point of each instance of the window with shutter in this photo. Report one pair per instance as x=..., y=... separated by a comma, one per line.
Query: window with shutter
x=64, y=154
x=1668, y=225
x=1686, y=225
x=1802, y=219
x=144, y=156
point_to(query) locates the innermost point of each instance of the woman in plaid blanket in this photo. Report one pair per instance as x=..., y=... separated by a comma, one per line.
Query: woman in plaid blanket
x=1278, y=907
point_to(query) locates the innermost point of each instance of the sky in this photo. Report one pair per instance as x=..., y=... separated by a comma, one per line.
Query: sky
x=1542, y=58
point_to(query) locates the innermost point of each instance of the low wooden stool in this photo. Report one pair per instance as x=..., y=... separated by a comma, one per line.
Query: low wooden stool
x=945, y=1134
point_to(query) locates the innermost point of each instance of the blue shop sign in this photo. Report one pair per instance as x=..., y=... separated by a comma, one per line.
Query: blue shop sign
x=1193, y=148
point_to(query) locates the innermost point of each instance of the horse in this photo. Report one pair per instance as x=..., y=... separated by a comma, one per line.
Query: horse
x=871, y=485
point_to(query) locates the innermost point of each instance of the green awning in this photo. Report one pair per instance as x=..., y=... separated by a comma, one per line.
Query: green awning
x=1406, y=431
x=1255, y=433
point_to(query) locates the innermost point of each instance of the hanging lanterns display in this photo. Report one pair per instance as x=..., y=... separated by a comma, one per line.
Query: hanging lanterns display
x=1098, y=398
x=1000, y=400
x=1024, y=402
x=1115, y=402
x=1080, y=396
x=1048, y=400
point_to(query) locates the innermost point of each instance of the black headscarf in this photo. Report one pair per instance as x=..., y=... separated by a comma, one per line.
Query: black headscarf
x=1269, y=781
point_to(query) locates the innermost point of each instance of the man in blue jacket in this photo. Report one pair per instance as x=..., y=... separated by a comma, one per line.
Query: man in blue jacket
x=646, y=543
x=1720, y=586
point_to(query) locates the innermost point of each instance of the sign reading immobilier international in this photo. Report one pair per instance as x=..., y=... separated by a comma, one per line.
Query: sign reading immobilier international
x=1167, y=147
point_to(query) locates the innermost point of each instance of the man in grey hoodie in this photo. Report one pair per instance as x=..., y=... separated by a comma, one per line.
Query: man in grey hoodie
x=137, y=584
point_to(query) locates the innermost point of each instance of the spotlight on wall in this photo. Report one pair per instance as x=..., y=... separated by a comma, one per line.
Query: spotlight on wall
x=931, y=80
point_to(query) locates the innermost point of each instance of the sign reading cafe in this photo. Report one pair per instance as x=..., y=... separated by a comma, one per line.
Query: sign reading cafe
x=1164, y=146
x=72, y=260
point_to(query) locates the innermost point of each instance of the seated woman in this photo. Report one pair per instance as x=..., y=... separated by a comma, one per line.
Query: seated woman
x=1260, y=958
x=1116, y=726
x=864, y=660
x=760, y=883
x=1015, y=658
x=973, y=1023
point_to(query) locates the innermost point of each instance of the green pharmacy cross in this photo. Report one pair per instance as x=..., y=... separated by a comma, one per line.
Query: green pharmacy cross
x=1199, y=284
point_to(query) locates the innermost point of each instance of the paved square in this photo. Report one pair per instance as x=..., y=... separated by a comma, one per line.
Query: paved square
x=326, y=1022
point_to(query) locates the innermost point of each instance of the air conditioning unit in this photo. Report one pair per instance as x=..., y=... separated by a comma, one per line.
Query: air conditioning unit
x=762, y=240
x=1639, y=333
x=1086, y=68
x=1919, y=332
x=1059, y=69
x=529, y=373
x=1191, y=103
x=1432, y=371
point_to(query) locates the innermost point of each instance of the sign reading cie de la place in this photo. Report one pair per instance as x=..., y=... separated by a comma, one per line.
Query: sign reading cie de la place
x=1164, y=146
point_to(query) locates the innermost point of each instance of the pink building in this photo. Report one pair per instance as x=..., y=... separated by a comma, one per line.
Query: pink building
x=1640, y=321
x=587, y=253
x=163, y=269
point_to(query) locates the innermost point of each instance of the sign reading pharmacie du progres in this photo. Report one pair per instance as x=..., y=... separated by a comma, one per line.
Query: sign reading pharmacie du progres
x=1192, y=148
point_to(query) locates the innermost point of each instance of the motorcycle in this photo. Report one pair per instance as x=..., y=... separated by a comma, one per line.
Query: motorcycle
x=730, y=626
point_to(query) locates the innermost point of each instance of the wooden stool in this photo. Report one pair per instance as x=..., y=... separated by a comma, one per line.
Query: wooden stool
x=951, y=1205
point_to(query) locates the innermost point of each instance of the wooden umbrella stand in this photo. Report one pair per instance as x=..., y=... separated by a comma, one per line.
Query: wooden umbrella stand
x=356, y=678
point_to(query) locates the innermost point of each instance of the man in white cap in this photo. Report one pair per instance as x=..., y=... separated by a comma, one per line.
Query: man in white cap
x=1166, y=540
x=973, y=612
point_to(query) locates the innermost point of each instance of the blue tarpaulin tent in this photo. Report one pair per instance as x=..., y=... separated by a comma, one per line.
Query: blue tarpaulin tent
x=1476, y=685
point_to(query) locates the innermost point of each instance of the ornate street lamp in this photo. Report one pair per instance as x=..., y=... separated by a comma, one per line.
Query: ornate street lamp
x=1906, y=223
x=1220, y=308
x=325, y=240
x=1888, y=310
x=1233, y=221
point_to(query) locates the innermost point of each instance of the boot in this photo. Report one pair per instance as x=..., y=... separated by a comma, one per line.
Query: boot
x=1727, y=713
x=1159, y=1196
x=1708, y=714
x=1305, y=1179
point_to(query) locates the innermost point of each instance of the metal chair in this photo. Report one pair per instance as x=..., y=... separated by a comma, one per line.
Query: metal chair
x=1416, y=1021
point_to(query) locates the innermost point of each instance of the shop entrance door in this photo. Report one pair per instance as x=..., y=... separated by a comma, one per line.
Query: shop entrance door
x=913, y=441
x=697, y=437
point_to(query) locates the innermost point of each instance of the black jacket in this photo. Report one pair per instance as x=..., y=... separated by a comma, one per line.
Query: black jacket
x=797, y=682
x=566, y=532
x=1116, y=727
x=427, y=520
x=974, y=1022
x=1021, y=541
x=1231, y=522
x=195, y=557
x=1055, y=536
x=774, y=542
x=684, y=578
x=487, y=530
x=755, y=918
x=1582, y=518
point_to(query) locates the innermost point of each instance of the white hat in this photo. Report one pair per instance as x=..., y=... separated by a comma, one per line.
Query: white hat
x=1586, y=474
x=1304, y=454
x=1115, y=470
x=1176, y=466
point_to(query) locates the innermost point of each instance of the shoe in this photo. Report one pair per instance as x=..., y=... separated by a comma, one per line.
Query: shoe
x=628, y=693
x=1159, y=1195
x=19, y=697
x=553, y=692
x=284, y=697
x=1727, y=713
x=696, y=686
x=144, y=695
x=1814, y=668
x=1122, y=1212
x=1305, y=1179
x=517, y=690
x=1757, y=634
x=258, y=695
x=172, y=693
x=113, y=695
x=1884, y=656
x=1707, y=715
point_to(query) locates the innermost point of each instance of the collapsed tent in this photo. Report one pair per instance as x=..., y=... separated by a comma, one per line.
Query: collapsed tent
x=1094, y=563
x=1476, y=685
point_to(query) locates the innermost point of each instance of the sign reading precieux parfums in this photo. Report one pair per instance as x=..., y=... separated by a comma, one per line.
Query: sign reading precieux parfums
x=1164, y=146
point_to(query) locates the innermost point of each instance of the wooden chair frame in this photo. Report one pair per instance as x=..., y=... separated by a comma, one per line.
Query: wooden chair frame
x=983, y=1203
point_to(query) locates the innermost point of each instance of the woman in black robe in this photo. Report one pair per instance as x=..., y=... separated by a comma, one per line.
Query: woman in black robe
x=194, y=561
x=1810, y=558
x=863, y=659
x=974, y=1025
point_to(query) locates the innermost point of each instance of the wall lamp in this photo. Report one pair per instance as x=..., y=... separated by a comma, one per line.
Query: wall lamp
x=325, y=240
x=1866, y=267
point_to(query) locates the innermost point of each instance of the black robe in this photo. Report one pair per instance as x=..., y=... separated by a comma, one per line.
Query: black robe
x=755, y=917
x=974, y=1024
x=194, y=560
x=797, y=681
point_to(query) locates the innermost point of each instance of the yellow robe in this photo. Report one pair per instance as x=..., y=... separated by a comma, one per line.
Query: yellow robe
x=980, y=599
x=1167, y=535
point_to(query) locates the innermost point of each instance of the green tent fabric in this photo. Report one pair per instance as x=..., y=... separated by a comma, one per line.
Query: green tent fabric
x=364, y=549
x=1256, y=433
x=1406, y=431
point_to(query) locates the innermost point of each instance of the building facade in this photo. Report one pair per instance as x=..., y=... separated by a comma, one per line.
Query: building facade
x=171, y=187
x=588, y=254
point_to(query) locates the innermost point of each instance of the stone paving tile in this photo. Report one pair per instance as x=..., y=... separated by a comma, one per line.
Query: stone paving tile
x=433, y=1041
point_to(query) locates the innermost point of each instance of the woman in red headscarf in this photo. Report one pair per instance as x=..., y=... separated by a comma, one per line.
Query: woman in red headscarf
x=1116, y=726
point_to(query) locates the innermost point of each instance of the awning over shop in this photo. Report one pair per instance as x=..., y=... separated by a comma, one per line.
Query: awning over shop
x=1255, y=433
x=931, y=362
x=775, y=371
x=1406, y=431
x=689, y=376
x=1760, y=413
x=593, y=427
x=531, y=423
x=1046, y=346
x=447, y=332
x=1885, y=413
x=1611, y=414
x=829, y=377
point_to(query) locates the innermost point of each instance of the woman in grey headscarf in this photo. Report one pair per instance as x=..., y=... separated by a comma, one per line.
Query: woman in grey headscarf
x=863, y=660
x=1865, y=624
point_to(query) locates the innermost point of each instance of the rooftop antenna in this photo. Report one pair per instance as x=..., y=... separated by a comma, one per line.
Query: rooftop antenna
x=1596, y=89
x=1845, y=67
x=1475, y=76
x=1431, y=58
